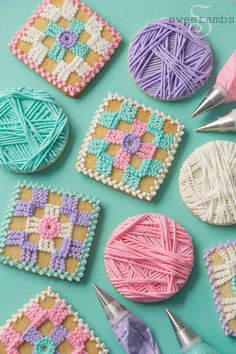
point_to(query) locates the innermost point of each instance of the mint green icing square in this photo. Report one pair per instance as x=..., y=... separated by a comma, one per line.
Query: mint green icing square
x=132, y=177
x=150, y=168
x=109, y=120
x=164, y=141
x=80, y=49
x=77, y=26
x=105, y=164
x=97, y=146
x=56, y=53
x=155, y=124
x=127, y=112
x=53, y=29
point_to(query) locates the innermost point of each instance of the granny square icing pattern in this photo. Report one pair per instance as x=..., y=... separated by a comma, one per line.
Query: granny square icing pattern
x=47, y=325
x=129, y=146
x=221, y=265
x=67, y=43
x=48, y=231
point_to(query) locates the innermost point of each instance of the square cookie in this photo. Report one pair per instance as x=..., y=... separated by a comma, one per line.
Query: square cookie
x=221, y=265
x=67, y=43
x=129, y=146
x=48, y=231
x=47, y=325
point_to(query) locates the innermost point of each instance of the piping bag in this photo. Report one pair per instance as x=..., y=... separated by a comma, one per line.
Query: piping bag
x=224, y=90
x=226, y=123
x=132, y=333
x=188, y=341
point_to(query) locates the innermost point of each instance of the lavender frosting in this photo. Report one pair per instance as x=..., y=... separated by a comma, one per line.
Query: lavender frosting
x=134, y=335
x=67, y=39
x=169, y=59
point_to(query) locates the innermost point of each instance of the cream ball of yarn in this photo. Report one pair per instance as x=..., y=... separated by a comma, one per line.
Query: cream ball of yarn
x=207, y=182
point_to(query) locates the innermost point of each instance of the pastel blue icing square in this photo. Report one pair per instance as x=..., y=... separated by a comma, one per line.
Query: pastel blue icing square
x=109, y=120
x=56, y=53
x=97, y=146
x=164, y=141
x=155, y=124
x=80, y=49
x=77, y=26
x=132, y=177
x=105, y=164
x=150, y=168
x=53, y=29
x=127, y=112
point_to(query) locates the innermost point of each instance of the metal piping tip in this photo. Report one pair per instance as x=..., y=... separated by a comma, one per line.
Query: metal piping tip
x=113, y=309
x=213, y=126
x=186, y=338
x=103, y=296
x=215, y=98
x=226, y=123
x=176, y=323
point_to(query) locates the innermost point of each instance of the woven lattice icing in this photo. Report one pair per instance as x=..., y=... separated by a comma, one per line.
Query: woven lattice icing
x=48, y=231
x=34, y=130
x=207, y=182
x=129, y=146
x=220, y=261
x=48, y=325
x=67, y=43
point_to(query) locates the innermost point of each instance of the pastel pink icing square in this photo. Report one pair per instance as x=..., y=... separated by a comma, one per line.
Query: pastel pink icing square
x=114, y=136
x=122, y=160
x=138, y=128
x=146, y=151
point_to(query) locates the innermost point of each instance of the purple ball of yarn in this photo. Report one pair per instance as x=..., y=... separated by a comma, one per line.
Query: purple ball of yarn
x=170, y=59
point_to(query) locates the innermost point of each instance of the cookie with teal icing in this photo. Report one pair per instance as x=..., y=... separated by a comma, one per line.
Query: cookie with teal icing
x=129, y=146
x=34, y=130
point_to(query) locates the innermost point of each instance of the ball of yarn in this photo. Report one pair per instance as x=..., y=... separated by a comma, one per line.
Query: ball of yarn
x=207, y=182
x=33, y=130
x=149, y=257
x=169, y=59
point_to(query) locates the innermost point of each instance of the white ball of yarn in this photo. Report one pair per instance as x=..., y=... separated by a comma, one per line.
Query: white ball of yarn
x=207, y=182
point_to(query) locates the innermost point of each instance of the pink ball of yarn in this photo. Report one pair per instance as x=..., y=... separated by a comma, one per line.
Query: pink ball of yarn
x=149, y=257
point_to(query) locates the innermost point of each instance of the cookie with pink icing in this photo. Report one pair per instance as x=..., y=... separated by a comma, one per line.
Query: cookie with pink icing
x=67, y=43
x=149, y=257
x=47, y=325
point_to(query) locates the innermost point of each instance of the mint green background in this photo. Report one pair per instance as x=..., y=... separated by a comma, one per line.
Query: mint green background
x=194, y=304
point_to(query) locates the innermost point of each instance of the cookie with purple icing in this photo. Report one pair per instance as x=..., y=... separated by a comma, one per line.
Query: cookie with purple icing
x=169, y=59
x=48, y=231
x=47, y=325
x=220, y=261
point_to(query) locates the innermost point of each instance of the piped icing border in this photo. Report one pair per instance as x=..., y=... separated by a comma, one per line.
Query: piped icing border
x=80, y=163
x=224, y=274
x=78, y=274
x=68, y=89
x=50, y=293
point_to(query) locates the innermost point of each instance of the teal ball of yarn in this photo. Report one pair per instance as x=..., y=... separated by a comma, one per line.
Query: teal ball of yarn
x=34, y=130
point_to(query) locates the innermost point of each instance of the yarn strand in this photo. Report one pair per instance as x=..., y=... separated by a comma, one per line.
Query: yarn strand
x=207, y=182
x=33, y=130
x=169, y=59
x=149, y=257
